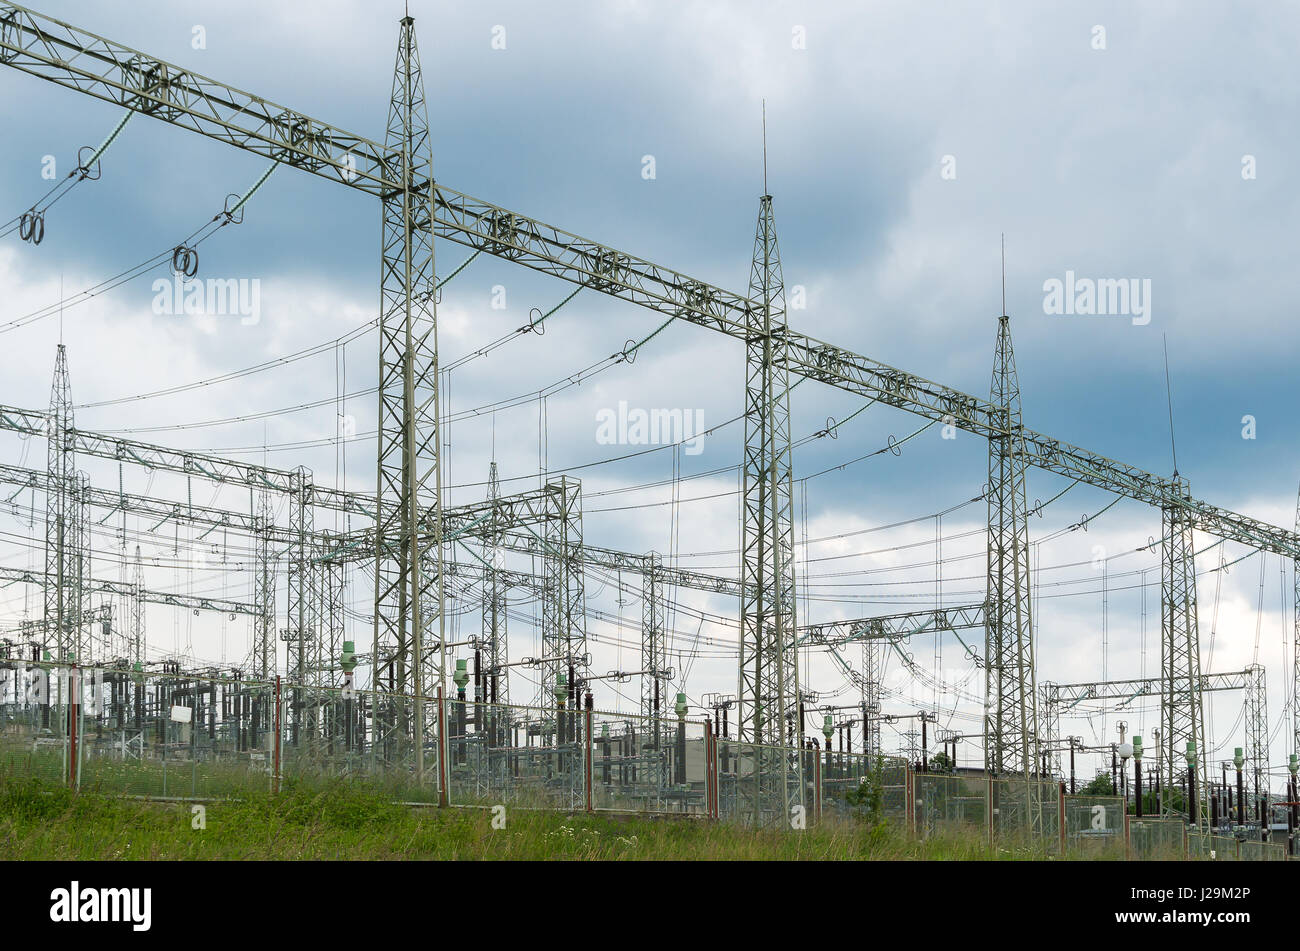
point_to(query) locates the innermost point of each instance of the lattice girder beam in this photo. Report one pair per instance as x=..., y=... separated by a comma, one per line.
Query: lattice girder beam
x=894, y=626
x=204, y=465
x=133, y=590
x=1056, y=694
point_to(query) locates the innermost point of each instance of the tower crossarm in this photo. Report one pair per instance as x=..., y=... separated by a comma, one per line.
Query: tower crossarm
x=1128, y=689
x=893, y=626
x=122, y=588
x=206, y=465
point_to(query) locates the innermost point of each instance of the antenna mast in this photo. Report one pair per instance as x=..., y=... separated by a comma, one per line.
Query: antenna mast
x=1169, y=396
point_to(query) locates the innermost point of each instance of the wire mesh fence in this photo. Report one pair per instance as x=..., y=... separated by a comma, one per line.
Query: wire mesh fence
x=1255, y=851
x=947, y=803
x=1094, y=826
x=1156, y=839
x=168, y=734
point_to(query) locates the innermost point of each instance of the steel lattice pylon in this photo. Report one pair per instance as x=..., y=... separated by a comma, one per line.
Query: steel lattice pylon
x=564, y=606
x=769, y=672
x=298, y=632
x=64, y=602
x=1295, y=645
x=871, y=699
x=652, y=637
x=1182, y=719
x=263, y=586
x=1011, y=738
x=496, y=684
x=136, y=654
x=409, y=482
x=1256, y=709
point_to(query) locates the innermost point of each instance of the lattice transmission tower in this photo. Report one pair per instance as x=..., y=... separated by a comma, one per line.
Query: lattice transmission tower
x=409, y=480
x=769, y=675
x=1182, y=715
x=1011, y=705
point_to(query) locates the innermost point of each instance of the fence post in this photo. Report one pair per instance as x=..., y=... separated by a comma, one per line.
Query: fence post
x=988, y=806
x=1060, y=815
x=709, y=788
x=443, y=749
x=817, y=788
x=586, y=759
x=717, y=778
x=909, y=790
x=1128, y=841
x=275, y=762
x=73, y=683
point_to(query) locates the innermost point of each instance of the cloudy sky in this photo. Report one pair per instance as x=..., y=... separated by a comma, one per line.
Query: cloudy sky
x=1105, y=140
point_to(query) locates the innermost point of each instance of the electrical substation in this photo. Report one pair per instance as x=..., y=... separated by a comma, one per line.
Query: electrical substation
x=463, y=653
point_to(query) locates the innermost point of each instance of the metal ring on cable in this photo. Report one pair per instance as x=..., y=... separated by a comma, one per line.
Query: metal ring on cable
x=31, y=226
x=535, y=325
x=230, y=215
x=832, y=428
x=628, y=353
x=894, y=447
x=185, y=261
x=87, y=172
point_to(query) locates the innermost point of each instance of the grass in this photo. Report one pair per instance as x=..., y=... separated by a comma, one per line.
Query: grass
x=39, y=820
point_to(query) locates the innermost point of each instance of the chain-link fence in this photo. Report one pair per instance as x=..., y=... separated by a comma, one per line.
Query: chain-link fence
x=1156, y=839
x=1250, y=850
x=946, y=802
x=169, y=734
x=1094, y=826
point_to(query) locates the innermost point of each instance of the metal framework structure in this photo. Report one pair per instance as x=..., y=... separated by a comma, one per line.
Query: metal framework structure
x=410, y=528
x=1256, y=711
x=652, y=637
x=1011, y=716
x=1295, y=643
x=1182, y=716
x=64, y=561
x=768, y=684
x=409, y=463
x=1058, y=698
x=894, y=626
x=494, y=654
x=564, y=609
